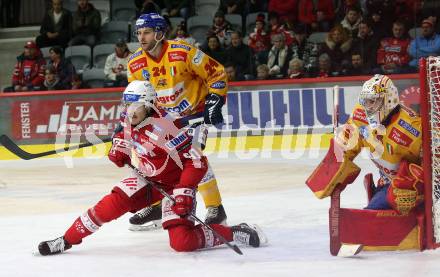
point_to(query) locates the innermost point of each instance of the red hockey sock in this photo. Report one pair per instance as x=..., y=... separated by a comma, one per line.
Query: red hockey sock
x=108, y=208
x=210, y=240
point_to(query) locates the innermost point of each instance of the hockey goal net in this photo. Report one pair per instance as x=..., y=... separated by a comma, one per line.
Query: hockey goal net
x=430, y=113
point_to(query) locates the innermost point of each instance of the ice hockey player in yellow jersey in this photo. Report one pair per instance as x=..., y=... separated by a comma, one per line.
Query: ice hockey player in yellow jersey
x=188, y=83
x=392, y=133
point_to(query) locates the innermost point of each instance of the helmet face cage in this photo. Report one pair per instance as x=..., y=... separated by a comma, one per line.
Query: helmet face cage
x=378, y=88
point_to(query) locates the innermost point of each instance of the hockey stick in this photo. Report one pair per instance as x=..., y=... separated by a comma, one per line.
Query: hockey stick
x=165, y=194
x=337, y=248
x=9, y=144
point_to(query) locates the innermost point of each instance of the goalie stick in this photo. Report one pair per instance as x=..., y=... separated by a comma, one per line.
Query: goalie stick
x=157, y=186
x=9, y=144
x=336, y=247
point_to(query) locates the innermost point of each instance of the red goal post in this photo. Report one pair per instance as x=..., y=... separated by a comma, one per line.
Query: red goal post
x=430, y=113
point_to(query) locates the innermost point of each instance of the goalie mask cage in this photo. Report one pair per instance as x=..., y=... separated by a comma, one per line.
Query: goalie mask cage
x=430, y=114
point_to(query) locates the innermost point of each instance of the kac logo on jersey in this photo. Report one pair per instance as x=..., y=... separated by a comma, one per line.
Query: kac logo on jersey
x=409, y=128
x=146, y=75
x=197, y=60
x=219, y=85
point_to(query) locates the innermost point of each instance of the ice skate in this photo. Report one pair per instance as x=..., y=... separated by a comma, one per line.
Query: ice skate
x=216, y=215
x=52, y=247
x=146, y=219
x=248, y=235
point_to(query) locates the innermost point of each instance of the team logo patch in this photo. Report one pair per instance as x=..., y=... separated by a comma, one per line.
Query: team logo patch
x=405, y=125
x=162, y=83
x=219, y=85
x=177, y=56
x=183, y=46
x=389, y=148
x=359, y=115
x=138, y=64
x=146, y=74
x=399, y=137
x=198, y=57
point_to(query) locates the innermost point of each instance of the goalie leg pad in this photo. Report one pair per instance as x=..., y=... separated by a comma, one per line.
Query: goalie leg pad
x=330, y=173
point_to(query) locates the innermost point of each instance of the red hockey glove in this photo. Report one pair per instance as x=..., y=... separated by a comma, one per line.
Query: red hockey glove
x=119, y=154
x=183, y=201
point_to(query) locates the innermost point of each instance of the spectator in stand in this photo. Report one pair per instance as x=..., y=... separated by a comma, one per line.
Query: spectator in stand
x=115, y=68
x=296, y=69
x=86, y=24
x=316, y=15
x=232, y=73
x=181, y=33
x=279, y=56
x=146, y=6
x=56, y=27
x=428, y=44
x=306, y=51
x=29, y=70
x=342, y=7
x=430, y=9
x=215, y=50
x=276, y=27
x=64, y=68
x=263, y=72
x=392, y=55
x=240, y=55
x=351, y=21
x=357, y=67
x=259, y=40
x=51, y=80
x=286, y=9
x=77, y=82
x=176, y=8
x=380, y=27
x=338, y=46
x=221, y=28
x=325, y=66
x=366, y=43
x=232, y=6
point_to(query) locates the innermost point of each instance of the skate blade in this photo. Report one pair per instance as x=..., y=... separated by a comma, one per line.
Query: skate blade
x=261, y=235
x=149, y=226
x=349, y=250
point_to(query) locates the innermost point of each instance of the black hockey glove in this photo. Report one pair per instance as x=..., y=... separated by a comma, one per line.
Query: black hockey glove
x=213, y=109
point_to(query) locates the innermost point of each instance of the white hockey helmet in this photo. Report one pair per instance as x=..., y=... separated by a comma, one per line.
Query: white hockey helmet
x=139, y=92
x=379, y=97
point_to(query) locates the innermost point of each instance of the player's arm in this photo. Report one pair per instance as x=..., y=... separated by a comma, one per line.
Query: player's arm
x=213, y=74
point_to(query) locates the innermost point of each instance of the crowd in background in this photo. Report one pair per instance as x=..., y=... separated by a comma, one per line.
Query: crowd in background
x=362, y=37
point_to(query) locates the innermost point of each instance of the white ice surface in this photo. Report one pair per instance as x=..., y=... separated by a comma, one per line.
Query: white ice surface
x=295, y=222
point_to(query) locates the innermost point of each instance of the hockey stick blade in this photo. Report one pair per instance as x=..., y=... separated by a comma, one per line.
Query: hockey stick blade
x=22, y=154
x=349, y=250
x=158, y=187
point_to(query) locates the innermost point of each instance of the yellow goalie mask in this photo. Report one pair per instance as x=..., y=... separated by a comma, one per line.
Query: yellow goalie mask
x=378, y=97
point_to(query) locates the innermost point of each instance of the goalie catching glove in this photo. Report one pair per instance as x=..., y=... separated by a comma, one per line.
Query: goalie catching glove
x=183, y=201
x=406, y=190
x=213, y=109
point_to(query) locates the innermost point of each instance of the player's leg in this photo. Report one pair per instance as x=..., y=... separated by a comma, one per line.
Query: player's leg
x=185, y=236
x=131, y=194
x=211, y=197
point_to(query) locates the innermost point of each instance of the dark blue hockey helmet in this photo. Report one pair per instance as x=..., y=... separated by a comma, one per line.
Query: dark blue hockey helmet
x=152, y=20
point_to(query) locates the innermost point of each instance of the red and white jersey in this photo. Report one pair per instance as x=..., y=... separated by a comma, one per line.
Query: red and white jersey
x=163, y=151
x=393, y=50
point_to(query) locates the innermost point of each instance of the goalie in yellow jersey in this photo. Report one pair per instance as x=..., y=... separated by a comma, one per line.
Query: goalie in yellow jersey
x=189, y=84
x=392, y=133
